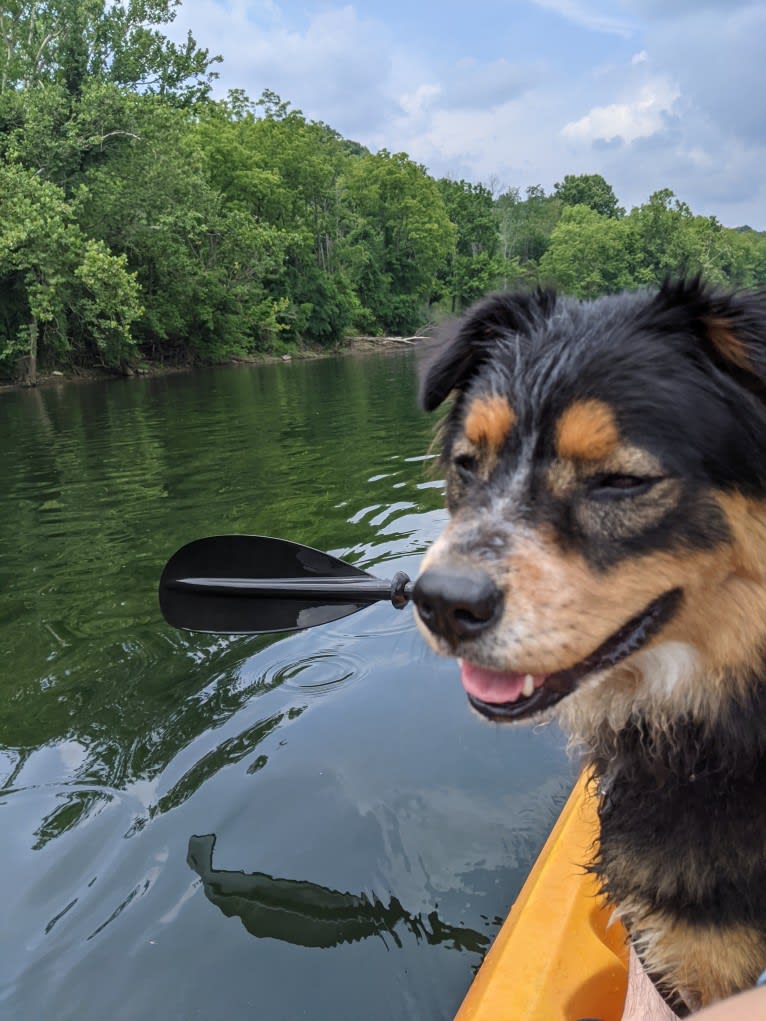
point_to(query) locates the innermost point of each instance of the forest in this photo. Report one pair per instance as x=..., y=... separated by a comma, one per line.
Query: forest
x=144, y=221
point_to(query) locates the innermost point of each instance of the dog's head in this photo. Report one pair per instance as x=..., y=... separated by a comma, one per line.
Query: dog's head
x=606, y=482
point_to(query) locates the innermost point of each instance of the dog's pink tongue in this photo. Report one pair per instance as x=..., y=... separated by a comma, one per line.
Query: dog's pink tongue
x=494, y=686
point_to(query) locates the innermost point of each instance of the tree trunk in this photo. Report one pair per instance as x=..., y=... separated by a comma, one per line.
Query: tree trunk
x=27, y=365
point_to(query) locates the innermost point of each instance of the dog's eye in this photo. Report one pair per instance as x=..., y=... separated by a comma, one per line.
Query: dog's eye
x=466, y=465
x=616, y=486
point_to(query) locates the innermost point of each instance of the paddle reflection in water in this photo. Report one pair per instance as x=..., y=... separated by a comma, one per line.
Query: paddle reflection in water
x=309, y=915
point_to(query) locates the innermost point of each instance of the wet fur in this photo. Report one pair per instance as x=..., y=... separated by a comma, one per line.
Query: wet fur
x=669, y=383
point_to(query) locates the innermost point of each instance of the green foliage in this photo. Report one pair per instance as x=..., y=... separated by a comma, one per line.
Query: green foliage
x=525, y=227
x=746, y=265
x=403, y=233
x=552, y=239
x=284, y=171
x=675, y=242
x=141, y=219
x=70, y=42
x=474, y=266
x=590, y=254
x=109, y=302
x=59, y=290
x=204, y=266
x=589, y=190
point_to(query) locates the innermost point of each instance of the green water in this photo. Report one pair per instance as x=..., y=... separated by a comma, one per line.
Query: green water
x=203, y=827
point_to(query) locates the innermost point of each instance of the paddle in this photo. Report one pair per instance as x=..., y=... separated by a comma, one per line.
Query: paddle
x=255, y=584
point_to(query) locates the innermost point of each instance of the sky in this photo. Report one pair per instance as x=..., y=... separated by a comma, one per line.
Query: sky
x=649, y=93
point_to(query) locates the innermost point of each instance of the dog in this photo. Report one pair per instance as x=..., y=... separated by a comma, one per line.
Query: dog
x=605, y=564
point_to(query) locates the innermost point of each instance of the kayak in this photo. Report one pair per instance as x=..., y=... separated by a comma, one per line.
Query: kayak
x=559, y=956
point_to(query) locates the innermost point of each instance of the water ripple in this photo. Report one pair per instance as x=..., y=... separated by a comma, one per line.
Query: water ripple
x=317, y=674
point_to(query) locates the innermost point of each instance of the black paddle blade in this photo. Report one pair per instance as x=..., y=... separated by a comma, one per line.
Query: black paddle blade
x=256, y=584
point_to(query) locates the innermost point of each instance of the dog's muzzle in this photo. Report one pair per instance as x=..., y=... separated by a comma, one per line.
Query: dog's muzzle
x=458, y=604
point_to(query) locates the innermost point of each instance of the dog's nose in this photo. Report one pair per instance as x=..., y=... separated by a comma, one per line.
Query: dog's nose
x=457, y=604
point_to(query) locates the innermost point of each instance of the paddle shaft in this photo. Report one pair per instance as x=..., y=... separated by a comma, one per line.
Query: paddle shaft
x=341, y=589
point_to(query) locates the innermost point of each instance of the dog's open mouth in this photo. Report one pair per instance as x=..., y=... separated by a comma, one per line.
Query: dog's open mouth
x=512, y=696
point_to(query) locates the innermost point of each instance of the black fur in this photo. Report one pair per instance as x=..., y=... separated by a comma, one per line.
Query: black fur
x=475, y=340
x=701, y=789
x=694, y=803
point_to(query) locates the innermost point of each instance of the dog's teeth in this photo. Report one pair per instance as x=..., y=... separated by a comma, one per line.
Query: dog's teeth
x=529, y=686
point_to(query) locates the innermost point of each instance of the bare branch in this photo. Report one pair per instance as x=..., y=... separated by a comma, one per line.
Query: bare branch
x=111, y=134
x=390, y=340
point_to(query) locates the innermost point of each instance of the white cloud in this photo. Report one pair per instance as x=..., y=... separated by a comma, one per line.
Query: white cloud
x=415, y=104
x=720, y=65
x=585, y=15
x=639, y=117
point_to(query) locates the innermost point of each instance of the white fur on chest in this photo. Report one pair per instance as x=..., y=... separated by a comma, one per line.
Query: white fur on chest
x=668, y=671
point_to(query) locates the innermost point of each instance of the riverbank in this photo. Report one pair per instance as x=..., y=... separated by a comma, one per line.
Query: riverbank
x=349, y=346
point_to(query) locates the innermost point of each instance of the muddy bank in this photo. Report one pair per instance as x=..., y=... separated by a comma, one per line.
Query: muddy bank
x=350, y=346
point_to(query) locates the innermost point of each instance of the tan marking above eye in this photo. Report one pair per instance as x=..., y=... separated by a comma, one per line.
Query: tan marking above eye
x=727, y=343
x=489, y=421
x=587, y=431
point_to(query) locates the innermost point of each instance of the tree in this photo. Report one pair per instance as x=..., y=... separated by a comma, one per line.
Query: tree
x=211, y=274
x=525, y=227
x=589, y=254
x=69, y=70
x=70, y=42
x=142, y=218
x=273, y=163
x=589, y=190
x=106, y=304
x=401, y=238
x=475, y=266
x=674, y=242
x=75, y=76
x=746, y=265
x=60, y=292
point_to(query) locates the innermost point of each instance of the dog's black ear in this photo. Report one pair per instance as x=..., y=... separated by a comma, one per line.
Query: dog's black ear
x=466, y=343
x=730, y=326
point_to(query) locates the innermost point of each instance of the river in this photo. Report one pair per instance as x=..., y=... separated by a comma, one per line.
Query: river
x=209, y=827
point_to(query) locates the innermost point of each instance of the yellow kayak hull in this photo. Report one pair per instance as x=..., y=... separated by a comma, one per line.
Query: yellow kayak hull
x=559, y=955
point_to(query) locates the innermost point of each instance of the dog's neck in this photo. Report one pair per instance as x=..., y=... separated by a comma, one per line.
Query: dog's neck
x=670, y=751
x=666, y=718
